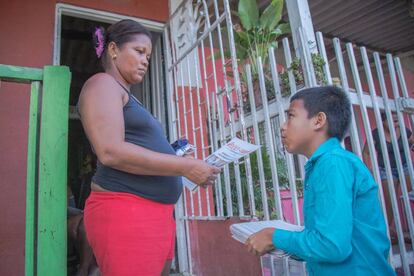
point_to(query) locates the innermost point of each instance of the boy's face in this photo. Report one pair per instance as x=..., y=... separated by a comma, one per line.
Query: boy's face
x=298, y=129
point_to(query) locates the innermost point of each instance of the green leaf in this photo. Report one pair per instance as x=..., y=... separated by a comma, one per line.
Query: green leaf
x=241, y=53
x=284, y=28
x=230, y=74
x=242, y=38
x=273, y=44
x=248, y=13
x=217, y=55
x=272, y=15
x=280, y=30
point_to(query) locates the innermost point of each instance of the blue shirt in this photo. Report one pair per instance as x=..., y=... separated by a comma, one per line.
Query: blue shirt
x=345, y=232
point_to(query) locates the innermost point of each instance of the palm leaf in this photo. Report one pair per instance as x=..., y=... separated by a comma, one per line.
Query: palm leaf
x=284, y=28
x=272, y=15
x=248, y=13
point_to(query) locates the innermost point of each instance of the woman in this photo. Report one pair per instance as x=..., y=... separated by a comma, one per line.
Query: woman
x=129, y=214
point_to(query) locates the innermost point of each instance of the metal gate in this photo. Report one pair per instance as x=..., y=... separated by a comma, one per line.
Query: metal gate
x=209, y=103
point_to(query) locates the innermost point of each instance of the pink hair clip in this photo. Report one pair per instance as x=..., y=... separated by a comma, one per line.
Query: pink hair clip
x=99, y=48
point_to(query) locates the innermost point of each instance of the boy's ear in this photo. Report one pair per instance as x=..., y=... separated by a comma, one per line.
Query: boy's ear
x=320, y=121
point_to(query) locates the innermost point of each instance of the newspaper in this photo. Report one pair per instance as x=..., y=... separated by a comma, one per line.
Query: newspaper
x=230, y=152
x=242, y=231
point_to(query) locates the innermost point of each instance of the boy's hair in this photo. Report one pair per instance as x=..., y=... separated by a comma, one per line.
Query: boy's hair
x=330, y=100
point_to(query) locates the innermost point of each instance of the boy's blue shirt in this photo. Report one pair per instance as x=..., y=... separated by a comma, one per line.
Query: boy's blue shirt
x=345, y=232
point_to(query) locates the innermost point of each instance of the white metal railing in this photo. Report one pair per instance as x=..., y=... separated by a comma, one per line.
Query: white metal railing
x=208, y=105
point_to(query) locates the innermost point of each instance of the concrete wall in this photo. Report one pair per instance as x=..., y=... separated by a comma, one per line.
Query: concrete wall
x=216, y=253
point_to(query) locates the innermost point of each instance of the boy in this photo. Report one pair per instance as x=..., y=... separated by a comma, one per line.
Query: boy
x=345, y=232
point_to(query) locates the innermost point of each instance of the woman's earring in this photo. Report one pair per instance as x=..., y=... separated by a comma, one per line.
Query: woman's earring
x=114, y=57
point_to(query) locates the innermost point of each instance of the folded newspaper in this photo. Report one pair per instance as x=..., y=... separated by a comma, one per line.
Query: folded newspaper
x=242, y=231
x=230, y=152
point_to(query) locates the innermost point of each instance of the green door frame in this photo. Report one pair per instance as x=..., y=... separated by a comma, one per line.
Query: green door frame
x=46, y=202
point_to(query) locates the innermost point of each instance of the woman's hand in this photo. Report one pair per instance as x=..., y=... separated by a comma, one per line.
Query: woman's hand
x=200, y=172
x=189, y=155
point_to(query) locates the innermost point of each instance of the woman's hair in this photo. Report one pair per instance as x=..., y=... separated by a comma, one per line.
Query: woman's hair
x=120, y=33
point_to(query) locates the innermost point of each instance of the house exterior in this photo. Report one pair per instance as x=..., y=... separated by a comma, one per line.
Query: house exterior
x=194, y=97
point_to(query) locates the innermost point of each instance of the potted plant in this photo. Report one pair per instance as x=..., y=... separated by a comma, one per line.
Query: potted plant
x=297, y=70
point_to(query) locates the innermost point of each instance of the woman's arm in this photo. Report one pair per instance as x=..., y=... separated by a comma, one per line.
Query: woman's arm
x=101, y=108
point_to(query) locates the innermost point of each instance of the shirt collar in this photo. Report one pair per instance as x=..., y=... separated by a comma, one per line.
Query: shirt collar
x=325, y=147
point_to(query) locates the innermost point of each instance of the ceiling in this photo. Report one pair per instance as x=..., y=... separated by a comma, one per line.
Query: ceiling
x=380, y=25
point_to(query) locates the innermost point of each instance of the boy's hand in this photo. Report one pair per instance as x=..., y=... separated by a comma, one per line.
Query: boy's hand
x=261, y=242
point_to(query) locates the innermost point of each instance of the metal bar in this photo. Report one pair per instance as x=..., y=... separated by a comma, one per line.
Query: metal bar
x=32, y=179
x=207, y=194
x=220, y=121
x=53, y=150
x=380, y=128
x=322, y=51
x=364, y=112
x=194, y=45
x=218, y=183
x=404, y=90
x=288, y=60
x=356, y=147
x=185, y=191
x=160, y=84
x=239, y=98
x=282, y=118
x=300, y=18
x=186, y=251
x=307, y=64
x=228, y=95
x=171, y=87
x=190, y=94
x=270, y=142
x=186, y=128
x=353, y=97
x=174, y=13
x=293, y=90
x=154, y=83
x=407, y=152
x=396, y=259
x=394, y=204
x=250, y=185
x=196, y=62
x=226, y=167
x=262, y=178
x=215, y=218
x=236, y=169
x=174, y=128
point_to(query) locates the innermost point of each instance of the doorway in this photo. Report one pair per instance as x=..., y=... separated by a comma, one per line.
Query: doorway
x=74, y=48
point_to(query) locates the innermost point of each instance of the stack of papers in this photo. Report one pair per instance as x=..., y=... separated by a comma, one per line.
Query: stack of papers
x=242, y=231
x=230, y=152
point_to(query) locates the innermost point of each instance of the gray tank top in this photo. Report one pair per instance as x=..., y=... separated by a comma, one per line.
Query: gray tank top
x=142, y=129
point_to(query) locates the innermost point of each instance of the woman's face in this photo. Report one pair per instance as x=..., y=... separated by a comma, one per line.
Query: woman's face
x=132, y=58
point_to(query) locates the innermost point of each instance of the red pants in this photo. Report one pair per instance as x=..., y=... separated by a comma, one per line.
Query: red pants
x=130, y=235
